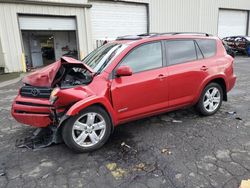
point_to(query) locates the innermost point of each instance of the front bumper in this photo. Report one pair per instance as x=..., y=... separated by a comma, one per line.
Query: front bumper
x=34, y=112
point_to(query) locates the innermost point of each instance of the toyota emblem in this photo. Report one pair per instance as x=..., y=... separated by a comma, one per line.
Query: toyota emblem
x=35, y=92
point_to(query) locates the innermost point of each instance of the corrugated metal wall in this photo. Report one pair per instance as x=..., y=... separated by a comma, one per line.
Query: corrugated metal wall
x=165, y=16
x=210, y=12
x=63, y=1
x=189, y=15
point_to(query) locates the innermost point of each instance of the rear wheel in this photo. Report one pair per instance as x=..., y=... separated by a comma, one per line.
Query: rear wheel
x=210, y=100
x=87, y=131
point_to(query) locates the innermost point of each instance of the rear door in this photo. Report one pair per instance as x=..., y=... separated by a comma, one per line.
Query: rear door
x=187, y=67
x=146, y=89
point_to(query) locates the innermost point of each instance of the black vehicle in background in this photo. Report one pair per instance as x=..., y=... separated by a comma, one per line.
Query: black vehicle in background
x=239, y=44
x=229, y=49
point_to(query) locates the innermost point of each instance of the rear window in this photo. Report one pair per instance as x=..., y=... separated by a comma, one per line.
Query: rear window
x=207, y=46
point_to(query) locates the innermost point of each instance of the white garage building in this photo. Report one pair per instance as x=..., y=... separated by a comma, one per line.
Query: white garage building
x=34, y=33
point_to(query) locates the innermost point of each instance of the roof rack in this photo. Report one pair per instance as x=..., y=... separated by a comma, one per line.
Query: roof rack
x=185, y=33
x=137, y=37
x=150, y=35
x=129, y=37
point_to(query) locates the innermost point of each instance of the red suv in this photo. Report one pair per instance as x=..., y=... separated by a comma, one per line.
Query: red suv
x=128, y=79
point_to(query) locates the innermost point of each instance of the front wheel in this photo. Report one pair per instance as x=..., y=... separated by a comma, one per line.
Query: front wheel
x=210, y=99
x=87, y=131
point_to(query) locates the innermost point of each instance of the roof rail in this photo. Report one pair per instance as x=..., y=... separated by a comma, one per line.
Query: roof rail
x=185, y=33
x=150, y=35
x=137, y=37
x=129, y=37
x=193, y=33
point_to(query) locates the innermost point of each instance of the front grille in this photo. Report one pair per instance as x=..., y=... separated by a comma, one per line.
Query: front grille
x=35, y=92
x=33, y=104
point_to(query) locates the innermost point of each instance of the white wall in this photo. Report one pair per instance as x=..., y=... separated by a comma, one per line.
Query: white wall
x=2, y=62
x=165, y=16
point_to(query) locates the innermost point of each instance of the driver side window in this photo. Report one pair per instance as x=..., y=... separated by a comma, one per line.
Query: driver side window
x=145, y=57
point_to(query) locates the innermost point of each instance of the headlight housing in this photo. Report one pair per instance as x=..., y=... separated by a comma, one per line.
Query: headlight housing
x=53, y=95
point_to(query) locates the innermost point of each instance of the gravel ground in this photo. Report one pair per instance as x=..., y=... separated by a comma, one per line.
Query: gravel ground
x=153, y=152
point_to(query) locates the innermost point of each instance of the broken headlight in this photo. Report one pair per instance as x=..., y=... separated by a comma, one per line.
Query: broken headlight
x=53, y=95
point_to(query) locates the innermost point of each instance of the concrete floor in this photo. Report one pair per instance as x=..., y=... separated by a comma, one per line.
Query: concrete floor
x=197, y=152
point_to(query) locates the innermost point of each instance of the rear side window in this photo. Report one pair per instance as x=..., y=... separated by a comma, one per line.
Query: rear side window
x=180, y=51
x=207, y=46
x=145, y=57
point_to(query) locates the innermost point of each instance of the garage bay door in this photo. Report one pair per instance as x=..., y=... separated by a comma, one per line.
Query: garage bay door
x=47, y=23
x=110, y=20
x=232, y=22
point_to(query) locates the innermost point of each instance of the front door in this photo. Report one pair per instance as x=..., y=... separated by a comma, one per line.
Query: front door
x=146, y=89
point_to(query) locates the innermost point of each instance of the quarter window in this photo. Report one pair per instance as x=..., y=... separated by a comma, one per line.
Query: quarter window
x=207, y=46
x=180, y=51
x=145, y=57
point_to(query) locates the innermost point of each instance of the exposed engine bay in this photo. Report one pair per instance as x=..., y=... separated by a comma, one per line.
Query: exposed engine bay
x=65, y=73
x=69, y=76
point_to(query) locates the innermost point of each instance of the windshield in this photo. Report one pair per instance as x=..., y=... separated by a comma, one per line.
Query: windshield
x=100, y=58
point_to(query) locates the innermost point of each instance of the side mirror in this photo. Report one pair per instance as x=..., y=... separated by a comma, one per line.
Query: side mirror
x=123, y=71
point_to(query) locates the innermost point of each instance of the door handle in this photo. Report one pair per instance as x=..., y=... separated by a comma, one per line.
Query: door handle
x=204, y=68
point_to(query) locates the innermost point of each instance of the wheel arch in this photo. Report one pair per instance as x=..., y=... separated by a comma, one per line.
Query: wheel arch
x=222, y=83
x=221, y=80
x=95, y=100
x=80, y=105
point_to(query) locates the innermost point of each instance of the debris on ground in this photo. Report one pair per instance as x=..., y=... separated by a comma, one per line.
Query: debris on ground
x=140, y=167
x=41, y=138
x=166, y=118
x=111, y=166
x=238, y=118
x=176, y=121
x=116, y=172
x=45, y=176
x=123, y=144
x=245, y=184
x=2, y=173
x=231, y=112
x=165, y=150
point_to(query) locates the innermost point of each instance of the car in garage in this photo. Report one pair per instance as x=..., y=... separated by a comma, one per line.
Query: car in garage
x=130, y=78
x=239, y=44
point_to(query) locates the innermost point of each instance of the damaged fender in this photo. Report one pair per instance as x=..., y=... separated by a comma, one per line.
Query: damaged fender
x=93, y=100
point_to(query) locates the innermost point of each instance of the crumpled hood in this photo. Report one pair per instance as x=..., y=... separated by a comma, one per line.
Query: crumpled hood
x=44, y=77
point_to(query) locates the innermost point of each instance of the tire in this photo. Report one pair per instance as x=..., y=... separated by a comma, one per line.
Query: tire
x=210, y=104
x=87, y=131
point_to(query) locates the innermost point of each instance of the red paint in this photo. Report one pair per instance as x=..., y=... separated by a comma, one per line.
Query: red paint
x=44, y=77
x=127, y=98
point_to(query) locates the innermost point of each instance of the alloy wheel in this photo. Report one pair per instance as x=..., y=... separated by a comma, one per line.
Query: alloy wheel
x=89, y=129
x=212, y=99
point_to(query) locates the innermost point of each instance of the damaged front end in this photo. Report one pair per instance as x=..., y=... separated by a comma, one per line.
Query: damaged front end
x=46, y=96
